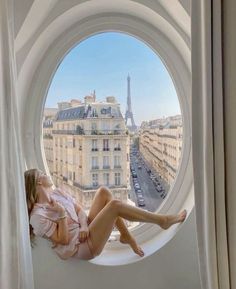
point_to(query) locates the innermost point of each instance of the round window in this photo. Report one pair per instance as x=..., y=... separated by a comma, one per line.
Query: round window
x=112, y=118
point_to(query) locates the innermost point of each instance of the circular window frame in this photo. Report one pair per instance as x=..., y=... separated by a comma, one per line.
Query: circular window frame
x=181, y=193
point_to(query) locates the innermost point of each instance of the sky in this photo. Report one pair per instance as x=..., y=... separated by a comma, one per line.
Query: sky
x=102, y=63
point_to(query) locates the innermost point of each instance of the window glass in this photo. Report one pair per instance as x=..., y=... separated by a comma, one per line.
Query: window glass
x=106, y=178
x=127, y=134
x=94, y=180
x=117, y=179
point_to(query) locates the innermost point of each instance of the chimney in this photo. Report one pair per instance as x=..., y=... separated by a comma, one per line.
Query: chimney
x=111, y=99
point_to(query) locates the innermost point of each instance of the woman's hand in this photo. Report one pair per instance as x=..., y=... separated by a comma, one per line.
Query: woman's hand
x=83, y=234
x=56, y=206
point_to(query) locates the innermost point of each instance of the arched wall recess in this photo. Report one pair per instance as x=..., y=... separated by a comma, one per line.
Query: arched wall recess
x=58, y=22
x=178, y=65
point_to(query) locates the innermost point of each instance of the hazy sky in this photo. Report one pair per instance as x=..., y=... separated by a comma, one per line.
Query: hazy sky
x=102, y=63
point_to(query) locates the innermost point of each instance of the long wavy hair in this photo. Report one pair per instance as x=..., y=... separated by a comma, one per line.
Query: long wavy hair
x=31, y=178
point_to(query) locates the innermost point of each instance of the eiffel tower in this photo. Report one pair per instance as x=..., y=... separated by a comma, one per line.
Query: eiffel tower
x=129, y=113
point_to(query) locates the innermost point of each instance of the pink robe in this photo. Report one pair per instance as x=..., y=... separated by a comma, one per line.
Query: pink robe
x=44, y=223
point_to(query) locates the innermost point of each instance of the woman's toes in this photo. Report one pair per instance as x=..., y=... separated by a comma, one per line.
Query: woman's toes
x=139, y=252
x=170, y=220
x=183, y=215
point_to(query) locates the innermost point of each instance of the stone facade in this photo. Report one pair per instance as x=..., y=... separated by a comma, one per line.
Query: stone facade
x=86, y=146
x=160, y=144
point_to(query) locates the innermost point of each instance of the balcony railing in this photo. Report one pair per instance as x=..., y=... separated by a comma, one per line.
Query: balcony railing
x=47, y=136
x=106, y=149
x=93, y=187
x=77, y=185
x=89, y=132
x=117, y=149
x=105, y=167
x=169, y=166
x=95, y=168
x=117, y=166
x=94, y=149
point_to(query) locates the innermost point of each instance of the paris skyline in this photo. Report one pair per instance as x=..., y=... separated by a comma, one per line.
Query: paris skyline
x=102, y=63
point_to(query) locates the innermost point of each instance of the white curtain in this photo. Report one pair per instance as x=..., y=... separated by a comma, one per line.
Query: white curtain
x=208, y=144
x=15, y=250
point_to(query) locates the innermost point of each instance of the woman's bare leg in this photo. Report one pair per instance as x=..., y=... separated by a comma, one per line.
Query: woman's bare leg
x=102, y=197
x=101, y=226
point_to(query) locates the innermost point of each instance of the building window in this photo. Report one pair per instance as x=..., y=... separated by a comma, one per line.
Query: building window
x=93, y=128
x=94, y=113
x=106, y=144
x=106, y=162
x=70, y=175
x=117, y=179
x=80, y=145
x=117, y=162
x=69, y=143
x=106, y=177
x=95, y=180
x=95, y=163
x=94, y=145
x=70, y=159
x=105, y=127
x=117, y=145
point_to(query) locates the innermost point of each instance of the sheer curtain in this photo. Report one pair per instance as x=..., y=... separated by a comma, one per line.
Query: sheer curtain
x=15, y=250
x=209, y=144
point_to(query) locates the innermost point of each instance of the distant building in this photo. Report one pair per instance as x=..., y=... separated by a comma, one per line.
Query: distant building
x=160, y=143
x=48, y=119
x=89, y=147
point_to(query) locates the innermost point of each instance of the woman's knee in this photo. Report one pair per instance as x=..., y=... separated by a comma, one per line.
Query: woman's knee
x=104, y=192
x=114, y=204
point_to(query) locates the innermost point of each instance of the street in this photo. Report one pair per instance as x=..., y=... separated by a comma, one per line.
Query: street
x=148, y=198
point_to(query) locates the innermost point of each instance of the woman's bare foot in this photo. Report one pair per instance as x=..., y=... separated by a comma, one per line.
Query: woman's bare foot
x=128, y=239
x=170, y=220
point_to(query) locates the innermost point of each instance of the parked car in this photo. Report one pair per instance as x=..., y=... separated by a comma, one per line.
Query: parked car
x=139, y=167
x=139, y=195
x=141, y=202
x=136, y=187
x=163, y=195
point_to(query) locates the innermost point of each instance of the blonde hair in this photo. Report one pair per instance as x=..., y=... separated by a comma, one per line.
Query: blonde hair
x=31, y=178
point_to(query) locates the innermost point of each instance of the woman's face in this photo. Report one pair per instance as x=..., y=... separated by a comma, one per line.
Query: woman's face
x=44, y=180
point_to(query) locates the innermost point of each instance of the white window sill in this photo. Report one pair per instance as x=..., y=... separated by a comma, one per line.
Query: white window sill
x=150, y=237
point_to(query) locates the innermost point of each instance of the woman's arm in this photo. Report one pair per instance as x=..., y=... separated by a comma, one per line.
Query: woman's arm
x=82, y=216
x=83, y=219
x=60, y=235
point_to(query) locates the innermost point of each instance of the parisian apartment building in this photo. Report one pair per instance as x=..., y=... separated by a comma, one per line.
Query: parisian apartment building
x=160, y=144
x=87, y=145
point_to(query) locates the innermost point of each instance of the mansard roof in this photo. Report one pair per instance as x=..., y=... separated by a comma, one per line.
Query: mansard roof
x=71, y=113
x=89, y=111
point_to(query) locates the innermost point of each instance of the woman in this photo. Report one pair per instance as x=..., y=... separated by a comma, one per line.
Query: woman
x=53, y=214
